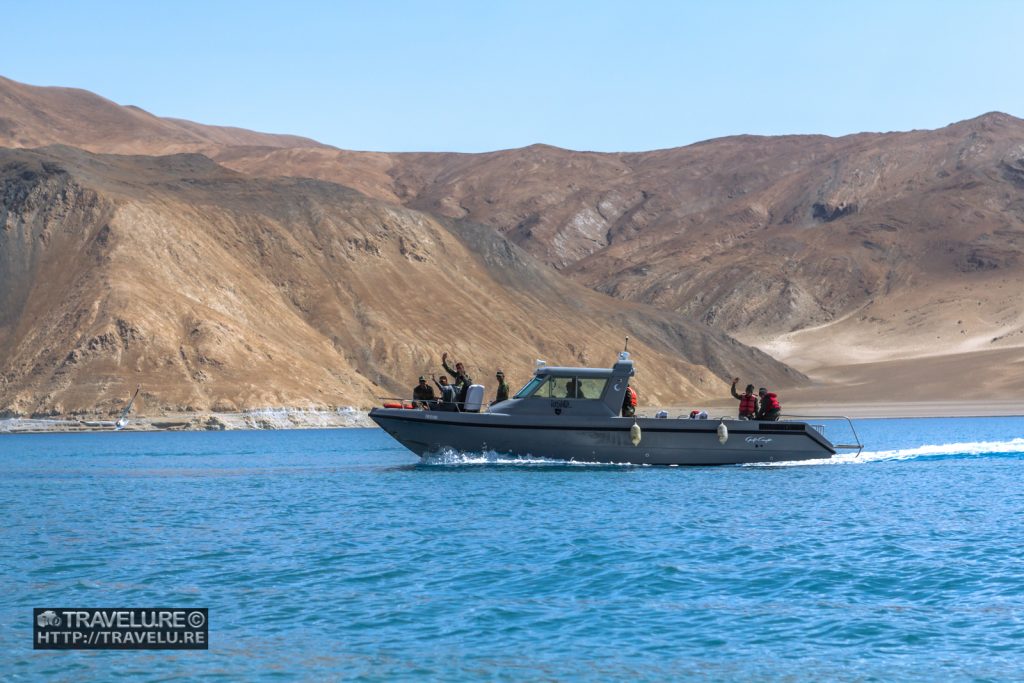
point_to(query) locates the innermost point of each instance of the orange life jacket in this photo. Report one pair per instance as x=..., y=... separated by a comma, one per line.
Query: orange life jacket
x=748, y=404
x=773, y=402
x=631, y=397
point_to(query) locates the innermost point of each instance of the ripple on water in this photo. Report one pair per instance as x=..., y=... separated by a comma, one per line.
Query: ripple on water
x=338, y=554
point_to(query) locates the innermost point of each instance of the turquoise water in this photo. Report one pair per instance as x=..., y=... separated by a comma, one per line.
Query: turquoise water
x=335, y=554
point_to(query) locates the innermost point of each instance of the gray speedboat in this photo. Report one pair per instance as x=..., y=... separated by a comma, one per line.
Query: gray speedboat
x=573, y=414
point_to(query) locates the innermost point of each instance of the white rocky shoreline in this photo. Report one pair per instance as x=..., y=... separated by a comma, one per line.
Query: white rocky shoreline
x=257, y=418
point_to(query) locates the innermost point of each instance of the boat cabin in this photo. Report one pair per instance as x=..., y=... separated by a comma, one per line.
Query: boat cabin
x=590, y=392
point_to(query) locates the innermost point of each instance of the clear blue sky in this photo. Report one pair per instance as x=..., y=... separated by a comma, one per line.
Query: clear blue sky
x=484, y=75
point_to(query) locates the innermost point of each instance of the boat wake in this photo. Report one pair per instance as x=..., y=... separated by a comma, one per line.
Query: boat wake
x=1013, y=448
x=450, y=456
x=970, y=449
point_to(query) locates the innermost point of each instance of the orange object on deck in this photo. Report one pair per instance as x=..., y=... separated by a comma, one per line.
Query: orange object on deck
x=407, y=405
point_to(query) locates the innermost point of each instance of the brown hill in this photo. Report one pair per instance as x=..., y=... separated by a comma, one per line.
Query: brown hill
x=32, y=116
x=217, y=290
x=829, y=253
x=826, y=252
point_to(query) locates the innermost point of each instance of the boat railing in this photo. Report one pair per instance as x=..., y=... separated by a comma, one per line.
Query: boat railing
x=857, y=445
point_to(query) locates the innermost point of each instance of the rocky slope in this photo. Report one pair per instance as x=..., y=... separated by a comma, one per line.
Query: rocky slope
x=215, y=290
x=828, y=253
x=865, y=248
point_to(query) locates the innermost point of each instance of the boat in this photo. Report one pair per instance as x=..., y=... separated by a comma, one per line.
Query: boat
x=573, y=414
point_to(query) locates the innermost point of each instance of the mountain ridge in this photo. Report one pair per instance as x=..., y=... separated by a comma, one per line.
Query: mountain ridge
x=824, y=251
x=217, y=291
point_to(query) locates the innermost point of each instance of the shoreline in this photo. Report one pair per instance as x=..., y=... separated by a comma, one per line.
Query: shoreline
x=351, y=418
x=200, y=421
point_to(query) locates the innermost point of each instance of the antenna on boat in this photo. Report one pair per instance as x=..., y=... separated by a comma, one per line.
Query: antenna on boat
x=624, y=354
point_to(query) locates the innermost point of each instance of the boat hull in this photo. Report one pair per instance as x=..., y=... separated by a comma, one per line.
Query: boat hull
x=604, y=440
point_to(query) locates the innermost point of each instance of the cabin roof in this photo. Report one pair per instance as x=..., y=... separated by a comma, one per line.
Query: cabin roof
x=621, y=369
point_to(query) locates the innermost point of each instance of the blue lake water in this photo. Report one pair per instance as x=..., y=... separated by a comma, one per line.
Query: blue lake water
x=336, y=554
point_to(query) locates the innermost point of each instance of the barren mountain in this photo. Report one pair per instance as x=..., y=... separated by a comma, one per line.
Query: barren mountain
x=218, y=290
x=826, y=252
x=774, y=234
x=829, y=253
x=31, y=116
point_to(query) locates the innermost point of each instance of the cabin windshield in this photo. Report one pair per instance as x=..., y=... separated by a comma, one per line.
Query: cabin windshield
x=564, y=386
x=529, y=388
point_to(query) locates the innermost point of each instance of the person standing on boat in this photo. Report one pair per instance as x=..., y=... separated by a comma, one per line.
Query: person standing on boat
x=461, y=377
x=748, y=401
x=771, y=409
x=447, y=394
x=423, y=392
x=502, y=394
x=629, y=401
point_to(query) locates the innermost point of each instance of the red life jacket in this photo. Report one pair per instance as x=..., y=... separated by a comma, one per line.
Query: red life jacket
x=748, y=404
x=773, y=402
x=631, y=397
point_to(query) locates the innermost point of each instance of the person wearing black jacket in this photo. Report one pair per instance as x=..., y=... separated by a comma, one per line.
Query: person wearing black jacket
x=423, y=392
x=770, y=408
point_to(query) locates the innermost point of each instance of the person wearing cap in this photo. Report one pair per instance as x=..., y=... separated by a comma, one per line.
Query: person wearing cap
x=423, y=392
x=502, y=394
x=770, y=409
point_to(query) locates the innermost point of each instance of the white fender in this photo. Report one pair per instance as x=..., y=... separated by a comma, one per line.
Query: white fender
x=634, y=434
x=723, y=433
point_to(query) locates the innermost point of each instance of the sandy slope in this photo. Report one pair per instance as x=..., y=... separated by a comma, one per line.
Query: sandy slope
x=987, y=382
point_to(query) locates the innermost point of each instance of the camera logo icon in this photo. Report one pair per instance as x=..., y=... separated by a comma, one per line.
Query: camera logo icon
x=48, y=618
